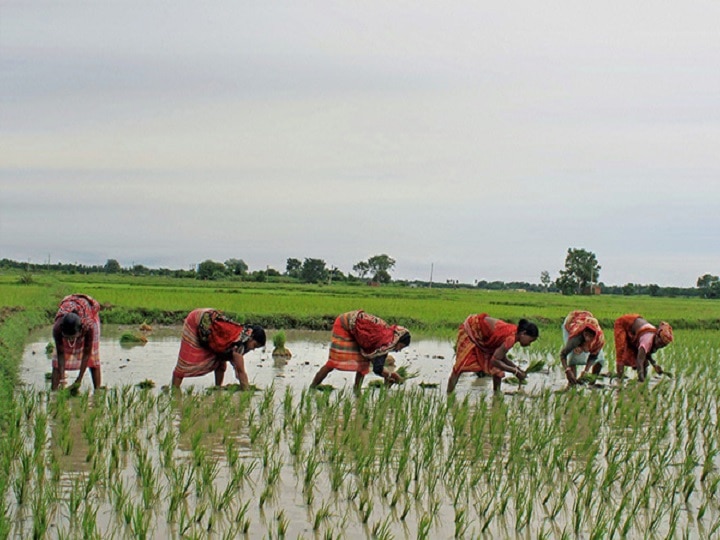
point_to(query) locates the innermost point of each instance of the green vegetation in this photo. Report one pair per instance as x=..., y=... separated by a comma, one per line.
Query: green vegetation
x=627, y=459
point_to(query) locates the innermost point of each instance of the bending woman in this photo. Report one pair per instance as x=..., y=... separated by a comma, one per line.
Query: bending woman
x=583, y=343
x=482, y=345
x=209, y=341
x=360, y=339
x=77, y=340
x=635, y=342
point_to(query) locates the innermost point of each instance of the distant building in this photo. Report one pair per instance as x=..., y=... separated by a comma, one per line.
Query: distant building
x=591, y=290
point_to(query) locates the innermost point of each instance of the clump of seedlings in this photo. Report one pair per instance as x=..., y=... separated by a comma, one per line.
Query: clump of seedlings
x=132, y=338
x=146, y=384
x=280, y=352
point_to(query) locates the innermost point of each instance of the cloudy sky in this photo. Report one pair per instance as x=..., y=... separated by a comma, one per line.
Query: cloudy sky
x=482, y=139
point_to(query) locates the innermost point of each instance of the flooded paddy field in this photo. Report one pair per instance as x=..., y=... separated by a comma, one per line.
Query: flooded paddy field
x=617, y=460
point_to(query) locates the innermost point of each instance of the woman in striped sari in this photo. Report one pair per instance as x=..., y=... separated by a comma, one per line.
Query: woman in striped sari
x=359, y=340
x=209, y=341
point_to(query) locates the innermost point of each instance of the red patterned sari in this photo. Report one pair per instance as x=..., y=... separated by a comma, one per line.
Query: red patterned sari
x=477, y=342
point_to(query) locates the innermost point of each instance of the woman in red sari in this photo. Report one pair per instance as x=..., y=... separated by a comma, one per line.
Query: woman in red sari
x=76, y=333
x=635, y=342
x=209, y=341
x=482, y=346
x=358, y=340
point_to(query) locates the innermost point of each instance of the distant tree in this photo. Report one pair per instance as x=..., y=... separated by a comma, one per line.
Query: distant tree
x=112, y=267
x=210, y=270
x=271, y=272
x=709, y=286
x=140, y=270
x=380, y=266
x=654, y=289
x=293, y=267
x=361, y=269
x=237, y=267
x=629, y=289
x=313, y=271
x=581, y=270
x=545, y=279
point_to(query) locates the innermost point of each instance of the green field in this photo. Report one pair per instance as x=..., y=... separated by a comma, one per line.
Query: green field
x=623, y=461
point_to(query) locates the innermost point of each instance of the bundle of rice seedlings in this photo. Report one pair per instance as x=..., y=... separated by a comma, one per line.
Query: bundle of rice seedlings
x=535, y=366
x=146, y=384
x=405, y=373
x=128, y=338
x=514, y=380
x=428, y=385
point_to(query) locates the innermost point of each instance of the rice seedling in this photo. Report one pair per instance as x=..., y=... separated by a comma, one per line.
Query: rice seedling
x=406, y=373
x=132, y=338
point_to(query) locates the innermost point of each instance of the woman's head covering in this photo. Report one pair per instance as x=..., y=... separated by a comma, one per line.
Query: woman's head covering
x=665, y=333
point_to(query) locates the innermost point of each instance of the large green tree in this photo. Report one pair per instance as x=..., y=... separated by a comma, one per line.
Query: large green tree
x=236, y=267
x=380, y=266
x=581, y=271
x=210, y=270
x=709, y=285
x=313, y=271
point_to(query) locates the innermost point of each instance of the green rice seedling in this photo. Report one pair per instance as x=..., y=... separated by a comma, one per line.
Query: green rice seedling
x=140, y=523
x=406, y=373
x=89, y=522
x=282, y=524
x=515, y=381
x=535, y=366
x=365, y=506
x=322, y=515
x=49, y=349
x=131, y=338
x=461, y=523
x=424, y=526
x=427, y=385
x=146, y=384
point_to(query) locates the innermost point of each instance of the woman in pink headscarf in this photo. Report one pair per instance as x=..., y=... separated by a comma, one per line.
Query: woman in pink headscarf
x=635, y=342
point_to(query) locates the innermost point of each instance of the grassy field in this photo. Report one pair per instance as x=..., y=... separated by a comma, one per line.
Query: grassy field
x=624, y=461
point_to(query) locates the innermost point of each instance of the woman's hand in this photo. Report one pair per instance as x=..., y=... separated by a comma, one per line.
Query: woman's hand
x=520, y=374
x=658, y=369
x=570, y=374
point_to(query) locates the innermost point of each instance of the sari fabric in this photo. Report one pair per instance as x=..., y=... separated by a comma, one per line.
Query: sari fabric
x=358, y=338
x=577, y=322
x=201, y=351
x=627, y=341
x=477, y=342
x=88, y=309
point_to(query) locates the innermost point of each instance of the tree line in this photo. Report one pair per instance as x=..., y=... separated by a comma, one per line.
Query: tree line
x=581, y=275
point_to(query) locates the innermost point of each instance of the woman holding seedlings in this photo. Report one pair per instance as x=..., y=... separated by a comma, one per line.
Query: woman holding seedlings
x=635, y=342
x=76, y=333
x=359, y=339
x=209, y=341
x=482, y=346
x=583, y=343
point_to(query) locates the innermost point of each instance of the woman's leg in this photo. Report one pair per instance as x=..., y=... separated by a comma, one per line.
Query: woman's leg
x=320, y=376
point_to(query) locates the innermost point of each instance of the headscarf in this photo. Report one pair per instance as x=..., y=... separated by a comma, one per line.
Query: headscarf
x=665, y=333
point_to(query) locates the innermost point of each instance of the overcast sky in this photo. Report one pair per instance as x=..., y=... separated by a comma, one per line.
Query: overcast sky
x=482, y=139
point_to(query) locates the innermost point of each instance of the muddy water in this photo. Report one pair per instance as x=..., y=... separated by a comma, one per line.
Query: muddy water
x=123, y=365
x=134, y=426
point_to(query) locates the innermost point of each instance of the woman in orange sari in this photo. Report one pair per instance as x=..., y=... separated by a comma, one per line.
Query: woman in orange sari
x=635, y=342
x=583, y=343
x=360, y=339
x=482, y=346
x=209, y=341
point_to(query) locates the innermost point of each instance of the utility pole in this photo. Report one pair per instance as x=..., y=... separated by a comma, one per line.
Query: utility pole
x=431, y=273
